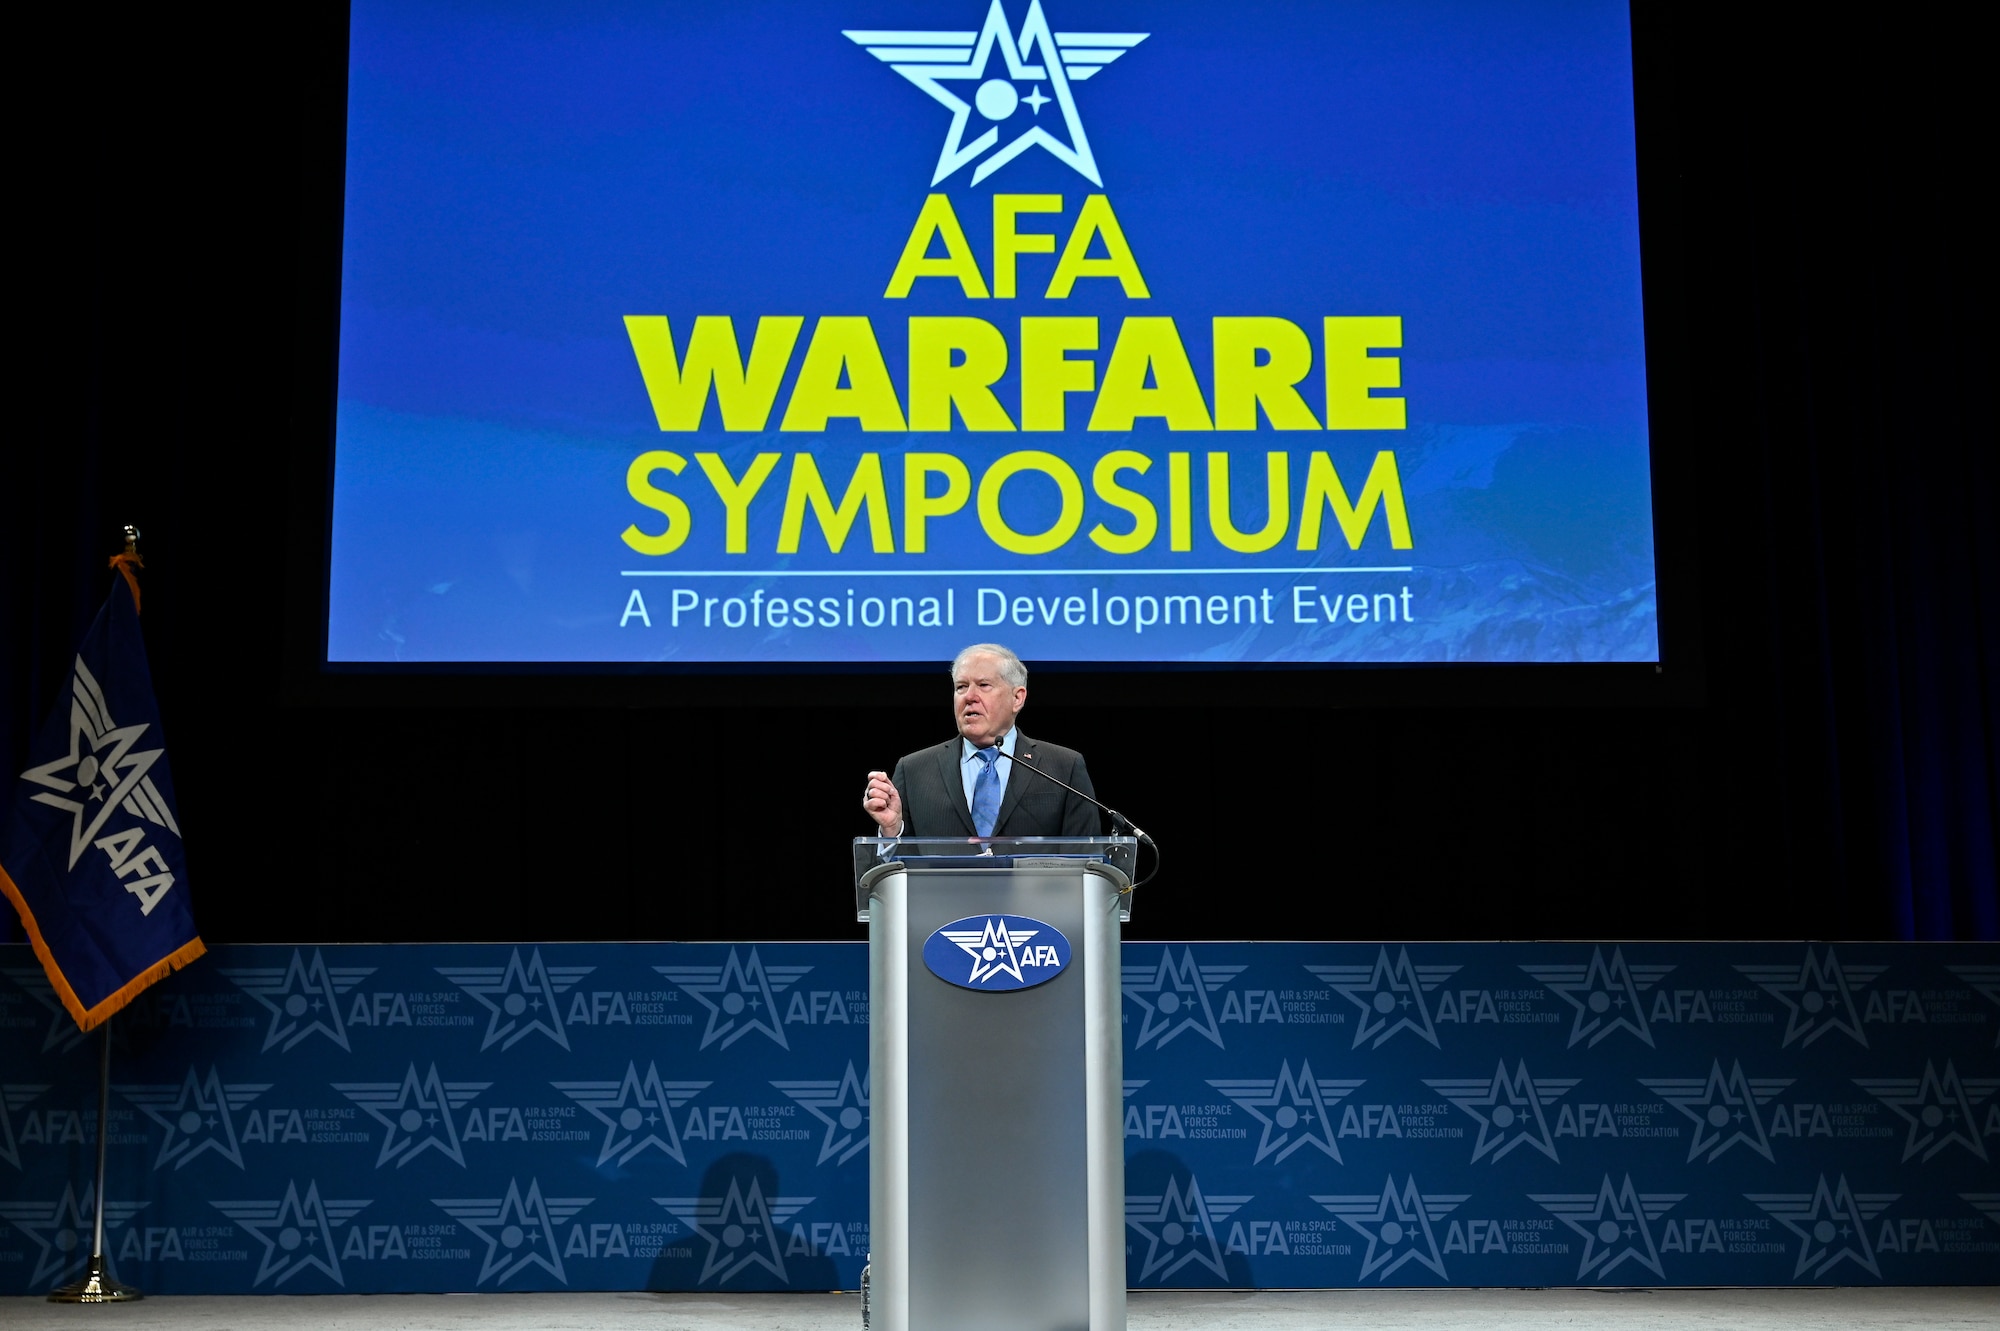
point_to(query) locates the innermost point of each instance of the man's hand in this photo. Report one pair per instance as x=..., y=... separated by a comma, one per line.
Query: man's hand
x=883, y=803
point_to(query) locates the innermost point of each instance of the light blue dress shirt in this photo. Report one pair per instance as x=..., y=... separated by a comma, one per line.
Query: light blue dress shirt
x=968, y=765
x=968, y=770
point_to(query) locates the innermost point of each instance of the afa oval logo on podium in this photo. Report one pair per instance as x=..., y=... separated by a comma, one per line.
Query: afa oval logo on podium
x=996, y=952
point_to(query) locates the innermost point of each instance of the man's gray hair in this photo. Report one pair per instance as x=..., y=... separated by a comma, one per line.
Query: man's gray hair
x=1011, y=668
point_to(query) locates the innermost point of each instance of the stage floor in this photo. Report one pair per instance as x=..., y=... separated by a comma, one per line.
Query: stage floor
x=1151, y=1310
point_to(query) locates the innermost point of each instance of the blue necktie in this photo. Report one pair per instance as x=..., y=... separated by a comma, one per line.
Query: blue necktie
x=986, y=792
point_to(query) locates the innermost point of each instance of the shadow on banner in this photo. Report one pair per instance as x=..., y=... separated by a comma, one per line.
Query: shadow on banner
x=742, y=1231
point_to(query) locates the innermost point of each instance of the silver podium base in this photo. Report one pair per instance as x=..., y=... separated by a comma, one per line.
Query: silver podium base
x=997, y=1142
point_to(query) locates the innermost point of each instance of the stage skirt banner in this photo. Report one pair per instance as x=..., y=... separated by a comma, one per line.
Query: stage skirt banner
x=695, y=1117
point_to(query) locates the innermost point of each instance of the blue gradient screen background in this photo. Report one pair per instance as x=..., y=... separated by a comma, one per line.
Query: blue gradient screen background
x=522, y=177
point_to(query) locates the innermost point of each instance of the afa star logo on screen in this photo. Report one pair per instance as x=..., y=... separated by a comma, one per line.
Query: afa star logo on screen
x=1508, y=1108
x=1391, y=996
x=1725, y=1108
x=1616, y=1224
x=932, y=60
x=1174, y=997
x=1397, y=1224
x=741, y=996
x=1605, y=994
x=1940, y=1108
x=296, y=1231
x=198, y=1115
x=1178, y=1226
x=1818, y=994
x=1831, y=1223
x=518, y=1229
x=520, y=996
x=60, y=1229
x=418, y=1113
x=1291, y=1109
x=303, y=997
x=842, y=1105
x=637, y=1112
x=740, y=1227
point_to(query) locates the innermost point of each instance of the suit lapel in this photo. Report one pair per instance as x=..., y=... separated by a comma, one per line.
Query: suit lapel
x=948, y=755
x=1017, y=781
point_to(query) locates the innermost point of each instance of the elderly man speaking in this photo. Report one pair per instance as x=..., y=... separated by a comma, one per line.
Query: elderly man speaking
x=969, y=785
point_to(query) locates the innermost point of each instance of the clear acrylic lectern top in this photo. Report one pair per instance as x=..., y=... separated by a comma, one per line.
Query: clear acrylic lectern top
x=875, y=855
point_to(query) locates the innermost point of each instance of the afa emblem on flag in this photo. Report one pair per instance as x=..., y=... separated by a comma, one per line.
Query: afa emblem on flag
x=90, y=851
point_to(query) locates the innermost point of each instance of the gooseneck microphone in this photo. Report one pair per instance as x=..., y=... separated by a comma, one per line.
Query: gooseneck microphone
x=1117, y=818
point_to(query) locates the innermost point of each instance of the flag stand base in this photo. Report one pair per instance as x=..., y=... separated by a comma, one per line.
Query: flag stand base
x=95, y=1287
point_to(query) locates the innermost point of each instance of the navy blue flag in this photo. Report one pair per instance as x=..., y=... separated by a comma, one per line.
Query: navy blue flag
x=90, y=850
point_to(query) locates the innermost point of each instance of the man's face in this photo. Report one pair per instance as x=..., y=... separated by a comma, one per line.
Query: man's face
x=984, y=704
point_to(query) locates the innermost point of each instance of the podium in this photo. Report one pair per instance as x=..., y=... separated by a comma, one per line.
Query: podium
x=996, y=1058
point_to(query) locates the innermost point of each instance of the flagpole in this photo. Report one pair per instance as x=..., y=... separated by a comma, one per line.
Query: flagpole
x=96, y=1286
x=108, y=955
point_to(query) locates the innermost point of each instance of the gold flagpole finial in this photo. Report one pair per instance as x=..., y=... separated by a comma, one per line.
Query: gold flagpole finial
x=130, y=560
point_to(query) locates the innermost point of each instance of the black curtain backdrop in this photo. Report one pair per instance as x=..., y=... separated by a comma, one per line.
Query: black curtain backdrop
x=1817, y=286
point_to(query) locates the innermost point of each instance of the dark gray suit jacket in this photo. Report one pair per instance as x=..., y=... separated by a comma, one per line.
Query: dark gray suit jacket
x=933, y=791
